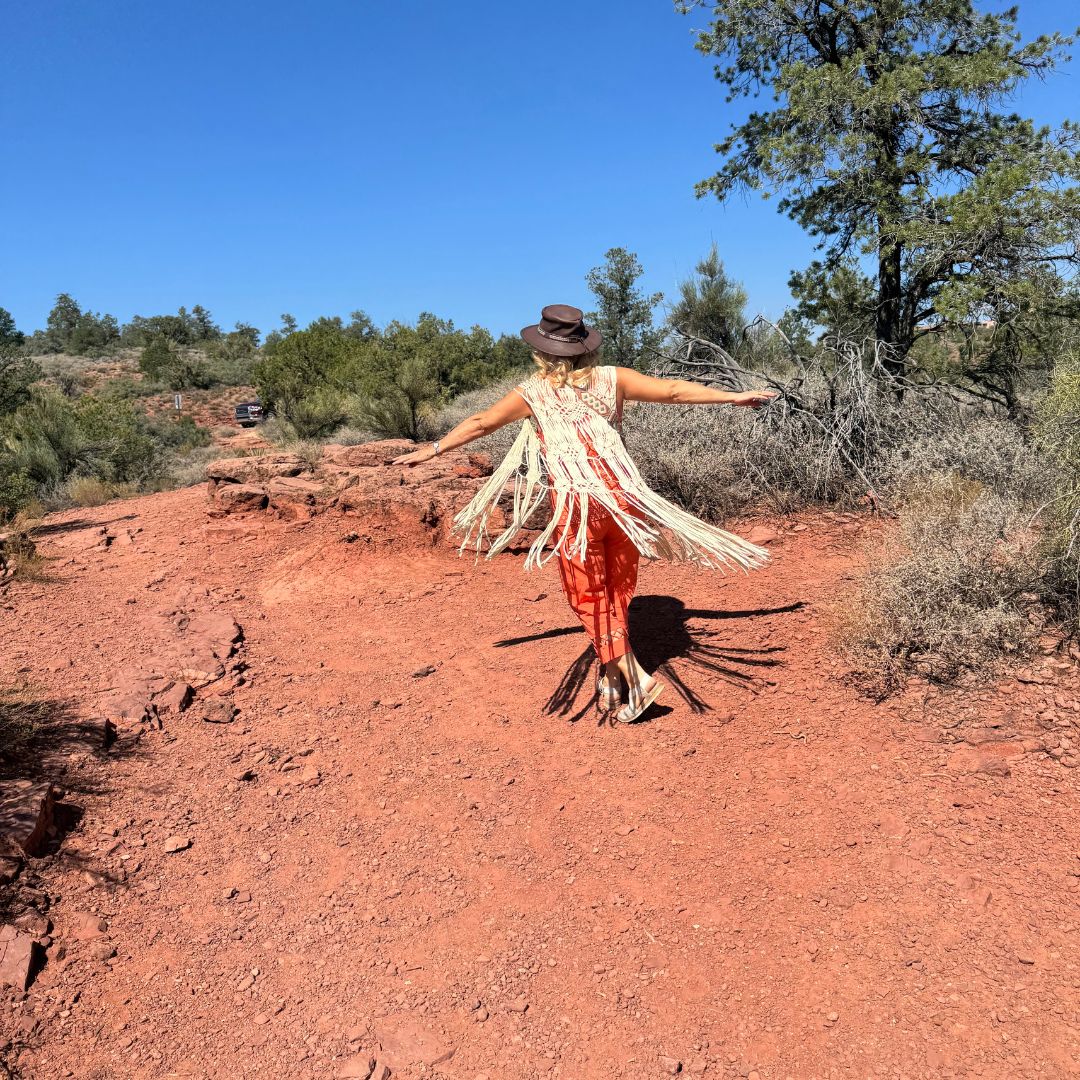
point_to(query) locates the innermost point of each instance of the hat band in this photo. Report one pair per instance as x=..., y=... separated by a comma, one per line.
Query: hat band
x=559, y=337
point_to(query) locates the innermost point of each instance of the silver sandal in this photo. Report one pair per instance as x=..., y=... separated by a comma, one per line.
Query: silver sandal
x=629, y=713
x=610, y=697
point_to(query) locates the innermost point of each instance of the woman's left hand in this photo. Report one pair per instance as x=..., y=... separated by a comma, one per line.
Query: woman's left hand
x=417, y=457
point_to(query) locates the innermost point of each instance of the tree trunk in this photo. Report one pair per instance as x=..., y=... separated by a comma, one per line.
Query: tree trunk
x=888, y=328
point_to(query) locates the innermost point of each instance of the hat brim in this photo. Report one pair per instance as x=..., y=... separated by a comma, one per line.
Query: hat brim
x=590, y=343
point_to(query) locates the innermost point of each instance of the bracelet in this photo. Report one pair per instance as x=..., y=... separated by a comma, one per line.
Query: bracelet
x=435, y=447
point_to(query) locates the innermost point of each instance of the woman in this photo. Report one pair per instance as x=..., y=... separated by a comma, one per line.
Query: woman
x=604, y=516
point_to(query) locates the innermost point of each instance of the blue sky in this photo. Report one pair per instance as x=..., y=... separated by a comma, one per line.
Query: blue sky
x=473, y=159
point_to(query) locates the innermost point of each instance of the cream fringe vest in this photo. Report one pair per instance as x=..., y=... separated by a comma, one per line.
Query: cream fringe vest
x=571, y=429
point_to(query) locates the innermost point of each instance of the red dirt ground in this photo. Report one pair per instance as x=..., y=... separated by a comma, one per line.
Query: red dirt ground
x=771, y=877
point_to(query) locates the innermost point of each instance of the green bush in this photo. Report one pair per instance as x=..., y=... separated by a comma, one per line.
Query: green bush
x=1058, y=433
x=399, y=408
x=390, y=381
x=319, y=413
x=17, y=490
x=177, y=366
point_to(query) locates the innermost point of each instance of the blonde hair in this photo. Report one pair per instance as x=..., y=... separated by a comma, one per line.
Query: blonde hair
x=560, y=370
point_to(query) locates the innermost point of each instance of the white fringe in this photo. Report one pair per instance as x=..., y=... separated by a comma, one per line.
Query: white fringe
x=656, y=527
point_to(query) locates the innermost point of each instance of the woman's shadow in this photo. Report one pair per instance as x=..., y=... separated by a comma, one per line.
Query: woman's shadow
x=662, y=632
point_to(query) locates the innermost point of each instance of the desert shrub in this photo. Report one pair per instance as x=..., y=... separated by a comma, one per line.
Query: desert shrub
x=122, y=445
x=52, y=440
x=189, y=468
x=942, y=436
x=720, y=462
x=125, y=388
x=278, y=431
x=949, y=590
x=84, y=491
x=231, y=358
x=352, y=436
x=318, y=414
x=439, y=421
x=176, y=366
x=45, y=441
x=21, y=717
x=1058, y=434
x=320, y=360
x=309, y=451
x=399, y=408
x=180, y=433
x=16, y=488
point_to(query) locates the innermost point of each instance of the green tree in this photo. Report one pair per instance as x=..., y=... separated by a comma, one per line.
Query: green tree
x=92, y=335
x=17, y=371
x=61, y=323
x=322, y=357
x=177, y=367
x=205, y=329
x=361, y=326
x=886, y=140
x=711, y=304
x=624, y=313
x=839, y=299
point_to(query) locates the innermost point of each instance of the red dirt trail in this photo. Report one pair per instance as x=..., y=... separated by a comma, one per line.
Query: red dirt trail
x=470, y=876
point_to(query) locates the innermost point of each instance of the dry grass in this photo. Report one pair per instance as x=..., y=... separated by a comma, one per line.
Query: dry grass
x=21, y=717
x=87, y=491
x=952, y=589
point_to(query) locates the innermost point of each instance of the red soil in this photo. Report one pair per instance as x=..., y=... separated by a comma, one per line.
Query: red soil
x=771, y=877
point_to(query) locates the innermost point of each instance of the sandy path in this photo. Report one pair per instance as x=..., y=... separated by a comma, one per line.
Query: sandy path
x=770, y=878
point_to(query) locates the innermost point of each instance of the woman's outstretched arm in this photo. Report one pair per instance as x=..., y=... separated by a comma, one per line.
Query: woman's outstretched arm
x=635, y=386
x=505, y=411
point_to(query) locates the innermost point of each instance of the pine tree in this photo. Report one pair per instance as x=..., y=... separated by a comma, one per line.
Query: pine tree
x=886, y=139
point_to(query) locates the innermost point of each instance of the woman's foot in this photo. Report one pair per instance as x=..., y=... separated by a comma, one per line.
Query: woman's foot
x=641, y=697
x=608, y=693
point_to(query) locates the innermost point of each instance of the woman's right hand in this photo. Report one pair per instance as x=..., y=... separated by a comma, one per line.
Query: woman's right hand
x=754, y=399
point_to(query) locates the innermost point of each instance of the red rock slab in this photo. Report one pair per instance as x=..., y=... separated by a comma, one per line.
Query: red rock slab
x=26, y=813
x=17, y=955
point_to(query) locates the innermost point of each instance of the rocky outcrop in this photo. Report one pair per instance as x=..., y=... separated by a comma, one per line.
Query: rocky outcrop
x=390, y=503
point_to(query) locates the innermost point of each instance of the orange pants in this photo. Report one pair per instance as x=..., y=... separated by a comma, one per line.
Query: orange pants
x=600, y=585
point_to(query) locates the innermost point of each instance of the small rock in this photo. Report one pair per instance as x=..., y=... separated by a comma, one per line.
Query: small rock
x=481, y=1015
x=218, y=711
x=357, y=1067
x=84, y=926
x=177, y=843
x=519, y=1005
x=671, y=1065
x=760, y=535
x=103, y=950
x=427, y=669
x=175, y=699
x=624, y=830
x=1025, y=957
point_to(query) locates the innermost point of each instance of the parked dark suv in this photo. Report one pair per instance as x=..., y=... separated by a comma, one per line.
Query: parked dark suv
x=249, y=413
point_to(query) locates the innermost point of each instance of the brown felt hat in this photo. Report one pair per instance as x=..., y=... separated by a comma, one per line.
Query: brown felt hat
x=561, y=332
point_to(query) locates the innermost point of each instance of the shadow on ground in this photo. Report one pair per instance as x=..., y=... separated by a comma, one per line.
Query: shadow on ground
x=37, y=732
x=665, y=631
